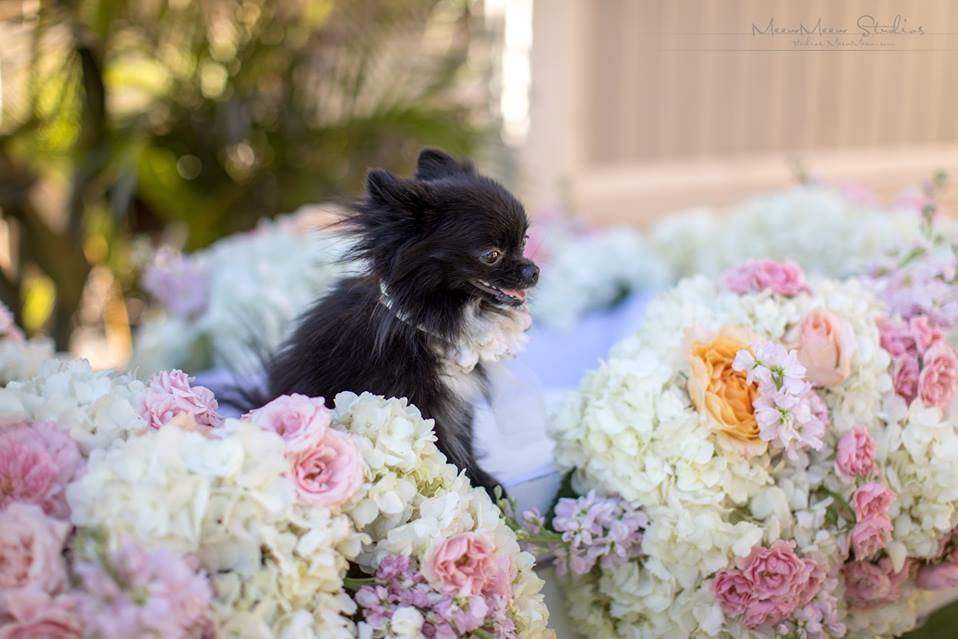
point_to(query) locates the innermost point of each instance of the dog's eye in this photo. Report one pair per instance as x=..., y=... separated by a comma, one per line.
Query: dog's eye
x=491, y=257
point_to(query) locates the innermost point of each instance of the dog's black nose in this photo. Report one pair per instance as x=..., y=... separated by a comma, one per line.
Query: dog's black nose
x=529, y=273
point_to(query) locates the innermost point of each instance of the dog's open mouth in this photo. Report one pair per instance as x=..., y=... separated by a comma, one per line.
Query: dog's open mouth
x=505, y=296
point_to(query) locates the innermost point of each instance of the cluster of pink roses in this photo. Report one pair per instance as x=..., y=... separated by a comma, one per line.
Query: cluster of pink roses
x=782, y=278
x=769, y=586
x=855, y=459
x=325, y=464
x=867, y=584
x=925, y=365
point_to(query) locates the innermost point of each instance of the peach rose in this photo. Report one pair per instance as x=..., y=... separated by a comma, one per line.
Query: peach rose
x=826, y=345
x=31, y=551
x=723, y=393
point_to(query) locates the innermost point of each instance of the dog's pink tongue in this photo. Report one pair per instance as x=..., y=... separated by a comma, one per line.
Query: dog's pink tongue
x=514, y=292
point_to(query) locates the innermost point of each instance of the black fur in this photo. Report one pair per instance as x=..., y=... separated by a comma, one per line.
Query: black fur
x=425, y=239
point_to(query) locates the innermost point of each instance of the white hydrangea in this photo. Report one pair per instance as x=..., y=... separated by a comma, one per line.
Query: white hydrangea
x=225, y=499
x=94, y=407
x=259, y=283
x=632, y=430
x=590, y=271
x=823, y=230
x=21, y=360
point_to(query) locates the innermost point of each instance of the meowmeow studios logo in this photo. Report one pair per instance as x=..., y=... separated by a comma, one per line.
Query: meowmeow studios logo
x=868, y=31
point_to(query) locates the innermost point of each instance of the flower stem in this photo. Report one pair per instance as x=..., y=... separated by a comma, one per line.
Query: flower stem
x=355, y=583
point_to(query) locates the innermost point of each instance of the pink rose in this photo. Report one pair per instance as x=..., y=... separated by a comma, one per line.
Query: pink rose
x=31, y=547
x=301, y=421
x=330, y=471
x=776, y=571
x=869, y=585
x=37, y=615
x=467, y=564
x=783, y=278
x=36, y=463
x=872, y=500
x=733, y=591
x=870, y=535
x=169, y=394
x=939, y=375
x=905, y=375
x=826, y=346
x=926, y=335
x=939, y=576
x=896, y=337
x=855, y=454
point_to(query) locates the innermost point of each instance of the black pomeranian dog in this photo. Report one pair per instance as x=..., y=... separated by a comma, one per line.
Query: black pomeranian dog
x=442, y=294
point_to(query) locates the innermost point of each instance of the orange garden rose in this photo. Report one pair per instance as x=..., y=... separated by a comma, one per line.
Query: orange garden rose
x=723, y=393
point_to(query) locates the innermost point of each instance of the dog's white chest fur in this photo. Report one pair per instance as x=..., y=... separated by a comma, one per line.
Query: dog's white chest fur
x=488, y=336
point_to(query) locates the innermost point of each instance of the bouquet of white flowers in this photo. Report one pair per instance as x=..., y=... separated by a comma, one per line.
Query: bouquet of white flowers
x=587, y=269
x=760, y=465
x=135, y=510
x=230, y=304
x=821, y=228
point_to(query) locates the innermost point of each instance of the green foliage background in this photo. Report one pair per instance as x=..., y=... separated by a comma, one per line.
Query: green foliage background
x=192, y=119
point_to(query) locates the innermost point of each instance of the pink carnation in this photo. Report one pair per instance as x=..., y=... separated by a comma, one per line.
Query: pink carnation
x=169, y=394
x=467, y=564
x=870, y=535
x=783, y=278
x=330, y=471
x=301, y=421
x=939, y=375
x=855, y=454
x=872, y=500
x=31, y=548
x=905, y=375
x=36, y=463
x=36, y=615
x=868, y=585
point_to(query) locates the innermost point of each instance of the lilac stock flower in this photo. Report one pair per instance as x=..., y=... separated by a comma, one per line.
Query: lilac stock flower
x=786, y=408
x=399, y=585
x=596, y=529
x=178, y=283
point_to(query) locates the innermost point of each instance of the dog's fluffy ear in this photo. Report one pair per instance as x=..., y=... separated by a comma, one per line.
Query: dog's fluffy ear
x=387, y=189
x=434, y=164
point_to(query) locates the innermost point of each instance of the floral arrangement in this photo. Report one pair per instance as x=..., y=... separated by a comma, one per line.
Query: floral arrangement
x=768, y=456
x=828, y=231
x=134, y=509
x=20, y=358
x=228, y=305
x=587, y=269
